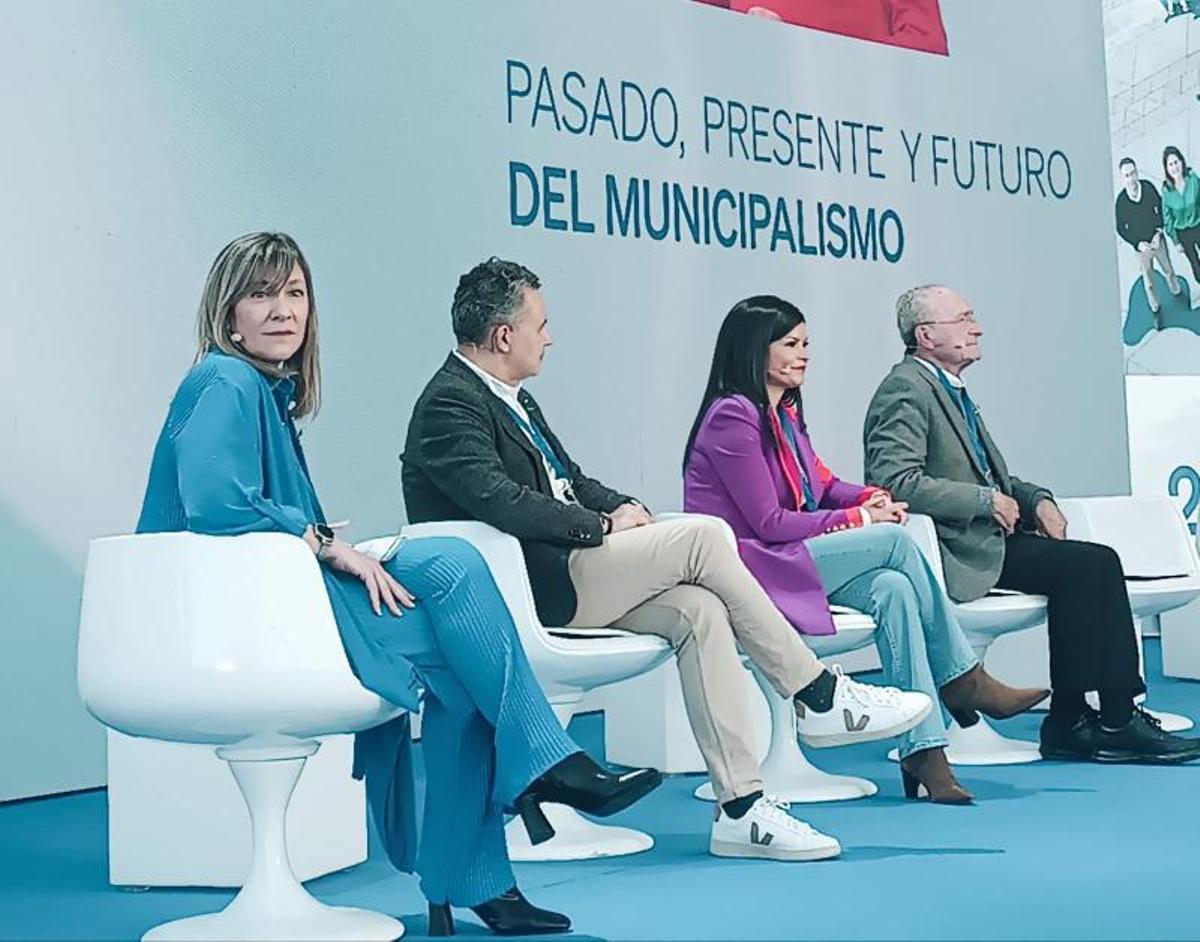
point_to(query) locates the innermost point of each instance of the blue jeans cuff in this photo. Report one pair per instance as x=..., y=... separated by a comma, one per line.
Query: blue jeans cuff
x=934, y=742
x=956, y=672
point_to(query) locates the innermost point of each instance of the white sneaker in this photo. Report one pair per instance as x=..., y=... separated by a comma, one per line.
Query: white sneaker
x=767, y=830
x=860, y=713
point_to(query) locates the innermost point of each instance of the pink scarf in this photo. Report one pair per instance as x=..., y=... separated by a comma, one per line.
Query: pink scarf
x=791, y=467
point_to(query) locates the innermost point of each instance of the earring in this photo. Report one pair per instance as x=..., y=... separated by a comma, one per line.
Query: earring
x=236, y=337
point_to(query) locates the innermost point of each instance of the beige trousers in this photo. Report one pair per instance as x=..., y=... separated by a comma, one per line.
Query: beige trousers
x=1157, y=252
x=682, y=580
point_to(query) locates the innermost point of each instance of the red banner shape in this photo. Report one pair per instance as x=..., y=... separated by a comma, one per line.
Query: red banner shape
x=910, y=24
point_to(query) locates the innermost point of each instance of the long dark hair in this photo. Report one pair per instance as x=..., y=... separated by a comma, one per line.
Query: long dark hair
x=1173, y=151
x=739, y=363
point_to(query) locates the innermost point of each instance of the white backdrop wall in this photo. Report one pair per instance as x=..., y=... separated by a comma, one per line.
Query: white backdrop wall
x=141, y=136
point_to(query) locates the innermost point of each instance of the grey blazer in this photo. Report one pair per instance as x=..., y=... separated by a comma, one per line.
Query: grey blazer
x=916, y=444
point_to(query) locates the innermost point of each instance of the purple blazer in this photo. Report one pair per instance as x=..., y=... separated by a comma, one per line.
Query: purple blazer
x=733, y=472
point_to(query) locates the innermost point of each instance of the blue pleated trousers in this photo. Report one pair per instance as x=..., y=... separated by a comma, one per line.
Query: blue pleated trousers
x=487, y=730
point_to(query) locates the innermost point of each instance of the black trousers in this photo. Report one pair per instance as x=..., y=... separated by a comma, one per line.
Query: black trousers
x=1092, y=641
x=1189, y=241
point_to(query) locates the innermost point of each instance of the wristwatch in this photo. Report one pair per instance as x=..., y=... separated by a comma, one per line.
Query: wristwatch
x=605, y=523
x=324, y=535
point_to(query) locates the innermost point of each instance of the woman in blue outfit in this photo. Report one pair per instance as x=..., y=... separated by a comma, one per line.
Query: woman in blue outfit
x=428, y=627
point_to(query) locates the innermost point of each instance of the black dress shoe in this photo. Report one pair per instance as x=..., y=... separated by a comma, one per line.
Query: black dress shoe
x=508, y=914
x=1070, y=740
x=1141, y=740
x=579, y=782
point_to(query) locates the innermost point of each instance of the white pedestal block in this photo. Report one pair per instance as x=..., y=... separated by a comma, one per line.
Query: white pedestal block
x=646, y=724
x=1180, y=632
x=176, y=817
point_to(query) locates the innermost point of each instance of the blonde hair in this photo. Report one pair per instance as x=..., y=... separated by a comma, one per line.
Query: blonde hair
x=241, y=267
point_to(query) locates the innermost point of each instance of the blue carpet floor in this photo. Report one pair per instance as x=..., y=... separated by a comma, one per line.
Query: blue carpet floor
x=1051, y=851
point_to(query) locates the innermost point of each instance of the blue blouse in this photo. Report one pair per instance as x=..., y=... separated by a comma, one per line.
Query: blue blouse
x=228, y=461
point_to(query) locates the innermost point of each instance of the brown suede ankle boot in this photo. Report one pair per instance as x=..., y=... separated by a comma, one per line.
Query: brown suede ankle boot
x=977, y=692
x=929, y=769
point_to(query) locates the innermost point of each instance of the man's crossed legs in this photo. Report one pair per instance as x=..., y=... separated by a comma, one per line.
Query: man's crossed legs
x=683, y=580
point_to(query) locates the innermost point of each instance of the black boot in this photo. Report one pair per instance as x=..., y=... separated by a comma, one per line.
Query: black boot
x=509, y=913
x=579, y=782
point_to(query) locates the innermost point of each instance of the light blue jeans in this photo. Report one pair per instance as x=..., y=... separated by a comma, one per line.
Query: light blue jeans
x=879, y=570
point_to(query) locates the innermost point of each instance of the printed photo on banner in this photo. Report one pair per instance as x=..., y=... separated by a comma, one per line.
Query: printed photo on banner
x=910, y=24
x=1153, y=88
x=1154, y=101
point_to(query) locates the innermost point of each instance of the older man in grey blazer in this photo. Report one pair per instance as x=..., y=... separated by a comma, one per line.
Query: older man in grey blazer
x=925, y=441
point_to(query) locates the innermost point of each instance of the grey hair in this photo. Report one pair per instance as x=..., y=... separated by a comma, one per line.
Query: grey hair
x=912, y=309
x=488, y=295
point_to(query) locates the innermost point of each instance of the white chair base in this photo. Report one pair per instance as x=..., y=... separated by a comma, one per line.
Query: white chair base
x=1021, y=659
x=1172, y=722
x=786, y=771
x=575, y=838
x=272, y=904
x=311, y=921
x=982, y=745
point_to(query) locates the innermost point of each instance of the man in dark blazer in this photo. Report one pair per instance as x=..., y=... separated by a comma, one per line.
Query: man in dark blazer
x=925, y=441
x=480, y=448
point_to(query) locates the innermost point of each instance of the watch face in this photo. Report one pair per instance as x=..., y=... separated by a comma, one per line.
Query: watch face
x=324, y=533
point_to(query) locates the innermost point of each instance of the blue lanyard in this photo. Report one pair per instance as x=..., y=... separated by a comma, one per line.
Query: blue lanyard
x=810, y=502
x=556, y=465
x=967, y=407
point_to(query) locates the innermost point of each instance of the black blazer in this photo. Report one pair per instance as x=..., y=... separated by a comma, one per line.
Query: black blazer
x=465, y=458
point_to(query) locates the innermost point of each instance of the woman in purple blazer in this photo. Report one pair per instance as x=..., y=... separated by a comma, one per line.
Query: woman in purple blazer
x=812, y=539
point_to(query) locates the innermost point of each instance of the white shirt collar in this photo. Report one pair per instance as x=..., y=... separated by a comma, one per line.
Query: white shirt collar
x=498, y=387
x=509, y=396
x=937, y=370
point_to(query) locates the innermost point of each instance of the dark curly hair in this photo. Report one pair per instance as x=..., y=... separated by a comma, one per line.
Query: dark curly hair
x=488, y=295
